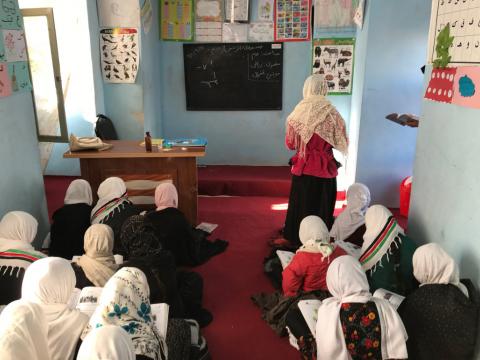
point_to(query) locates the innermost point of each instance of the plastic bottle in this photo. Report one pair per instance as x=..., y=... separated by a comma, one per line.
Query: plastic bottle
x=148, y=142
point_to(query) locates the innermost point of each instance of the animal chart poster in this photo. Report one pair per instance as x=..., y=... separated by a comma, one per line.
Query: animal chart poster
x=334, y=59
x=10, y=16
x=464, y=19
x=292, y=20
x=176, y=18
x=120, y=55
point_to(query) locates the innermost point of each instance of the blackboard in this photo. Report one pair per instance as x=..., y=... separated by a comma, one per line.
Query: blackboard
x=240, y=76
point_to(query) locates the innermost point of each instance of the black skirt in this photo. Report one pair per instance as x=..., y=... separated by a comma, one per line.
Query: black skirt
x=309, y=195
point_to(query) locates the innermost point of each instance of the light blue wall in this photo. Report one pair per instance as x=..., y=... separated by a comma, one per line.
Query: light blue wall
x=396, y=43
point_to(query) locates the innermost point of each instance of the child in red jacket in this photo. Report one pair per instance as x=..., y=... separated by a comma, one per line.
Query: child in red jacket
x=308, y=269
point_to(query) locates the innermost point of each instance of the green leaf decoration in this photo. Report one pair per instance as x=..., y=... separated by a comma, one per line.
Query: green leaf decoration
x=444, y=42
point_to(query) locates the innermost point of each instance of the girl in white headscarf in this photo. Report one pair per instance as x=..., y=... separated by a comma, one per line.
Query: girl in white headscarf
x=349, y=226
x=354, y=325
x=71, y=221
x=97, y=265
x=125, y=302
x=17, y=231
x=441, y=316
x=107, y=342
x=313, y=129
x=50, y=283
x=23, y=332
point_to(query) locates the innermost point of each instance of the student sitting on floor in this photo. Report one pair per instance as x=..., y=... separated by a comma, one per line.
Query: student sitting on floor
x=50, y=283
x=441, y=316
x=349, y=226
x=107, y=342
x=387, y=253
x=97, y=265
x=71, y=221
x=354, y=325
x=17, y=230
x=189, y=246
x=113, y=207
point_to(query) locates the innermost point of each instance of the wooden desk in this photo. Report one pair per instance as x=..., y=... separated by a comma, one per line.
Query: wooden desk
x=142, y=171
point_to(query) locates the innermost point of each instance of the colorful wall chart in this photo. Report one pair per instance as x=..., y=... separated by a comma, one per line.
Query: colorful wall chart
x=334, y=59
x=119, y=55
x=177, y=20
x=14, y=45
x=10, y=16
x=292, y=20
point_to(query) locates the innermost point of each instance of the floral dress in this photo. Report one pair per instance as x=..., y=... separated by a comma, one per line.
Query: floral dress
x=361, y=329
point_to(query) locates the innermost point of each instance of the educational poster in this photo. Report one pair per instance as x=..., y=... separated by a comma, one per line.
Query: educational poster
x=265, y=10
x=10, y=16
x=209, y=10
x=5, y=83
x=119, y=13
x=464, y=19
x=292, y=20
x=334, y=13
x=208, y=31
x=15, y=48
x=119, y=55
x=358, y=15
x=334, y=59
x=19, y=74
x=177, y=20
x=260, y=32
x=232, y=32
x=441, y=85
x=239, y=12
x=146, y=14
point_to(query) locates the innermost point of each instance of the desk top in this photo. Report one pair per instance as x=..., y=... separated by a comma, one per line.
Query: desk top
x=133, y=149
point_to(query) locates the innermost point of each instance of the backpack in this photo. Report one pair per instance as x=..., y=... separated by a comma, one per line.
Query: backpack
x=104, y=128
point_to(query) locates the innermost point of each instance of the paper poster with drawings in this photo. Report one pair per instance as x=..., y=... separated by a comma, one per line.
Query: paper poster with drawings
x=240, y=10
x=14, y=45
x=208, y=31
x=176, y=19
x=146, y=14
x=334, y=59
x=260, y=32
x=5, y=84
x=209, y=10
x=292, y=20
x=464, y=20
x=334, y=13
x=119, y=13
x=10, y=16
x=265, y=10
x=232, y=32
x=19, y=74
x=119, y=55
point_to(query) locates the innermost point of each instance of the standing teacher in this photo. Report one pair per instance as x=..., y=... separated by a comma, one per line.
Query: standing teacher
x=313, y=129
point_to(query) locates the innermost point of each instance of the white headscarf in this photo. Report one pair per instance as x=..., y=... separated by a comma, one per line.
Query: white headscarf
x=17, y=231
x=107, y=342
x=432, y=265
x=166, y=196
x=23, y=332
x=347, y=283
x=79, y=192
x=111, y=194
x=316, y=115
x=314, y=236
x=98, y=262
x=49, y=282
x=125, y=302
x=353, y=216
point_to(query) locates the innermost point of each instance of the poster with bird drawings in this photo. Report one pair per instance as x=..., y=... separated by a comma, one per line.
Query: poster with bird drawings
x=119, y=55
x=333, y=58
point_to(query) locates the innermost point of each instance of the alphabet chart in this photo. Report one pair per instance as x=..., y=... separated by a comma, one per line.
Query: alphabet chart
x=464, y=19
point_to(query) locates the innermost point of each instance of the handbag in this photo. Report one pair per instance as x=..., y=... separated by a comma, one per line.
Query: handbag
x=87, y=143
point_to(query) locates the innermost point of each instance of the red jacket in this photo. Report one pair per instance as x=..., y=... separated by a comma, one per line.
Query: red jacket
x=307, y=272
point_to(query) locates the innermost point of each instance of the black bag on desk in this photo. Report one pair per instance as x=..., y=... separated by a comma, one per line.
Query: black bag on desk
x=104, y=128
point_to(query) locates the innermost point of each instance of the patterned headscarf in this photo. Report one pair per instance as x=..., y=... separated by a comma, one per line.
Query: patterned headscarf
x=138, y=237
x=112, y=195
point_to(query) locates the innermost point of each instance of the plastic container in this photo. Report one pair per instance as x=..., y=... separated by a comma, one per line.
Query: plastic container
x=405, y=193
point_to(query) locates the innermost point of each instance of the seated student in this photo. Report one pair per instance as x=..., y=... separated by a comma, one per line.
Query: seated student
x=349, y=226
x=189, y=246
x=354, y=325
x=23, y=332
x=387, y=253
x=113, y=207
x=97, y=265
x=182, y=290
x=107, y=342
x=71, y=221
x=49, y=283
x=308, y=269
x=17, y=230
x=441, y=316
x=125, y=302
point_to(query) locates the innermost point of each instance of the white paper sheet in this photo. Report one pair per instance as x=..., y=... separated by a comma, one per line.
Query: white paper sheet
x=207, y=227
x=233, y=32
x=240, y=10
x=260, y=32
x=309, y=310
x=88, y=299
x=14, y=43
x=209, y=10
x=118, y=13
x=208, y=31
x=265, y=10
x=146, y=14
x=160, y=318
